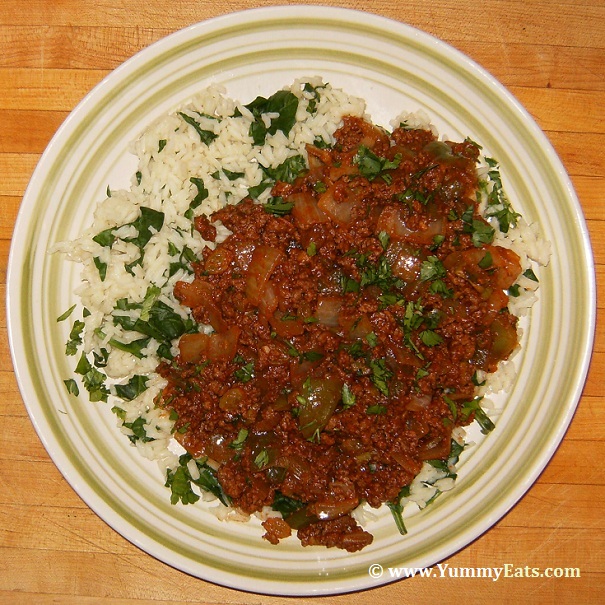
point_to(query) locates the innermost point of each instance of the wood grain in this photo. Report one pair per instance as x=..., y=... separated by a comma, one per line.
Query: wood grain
x=550, y=55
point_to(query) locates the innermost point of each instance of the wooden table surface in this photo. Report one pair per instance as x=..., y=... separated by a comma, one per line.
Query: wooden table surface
x=550, y=54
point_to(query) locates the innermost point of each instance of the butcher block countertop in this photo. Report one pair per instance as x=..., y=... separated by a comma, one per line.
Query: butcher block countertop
x=551, y=56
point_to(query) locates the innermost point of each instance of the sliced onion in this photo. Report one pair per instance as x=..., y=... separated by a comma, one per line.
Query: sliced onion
x=267, y=444
x=391, y=221
x=328, y=310
x=357, y=326
x=243, y=252
x=198, y=295
x=418, y=402
x=264, y=261
x=404, y=260
x=406, y=462
x=296, y=465
x=306, y=211
x=318, y=158
x=268, y=300
x=332, y=510
x=286, y=328
x=212, y=347
x=340, y=212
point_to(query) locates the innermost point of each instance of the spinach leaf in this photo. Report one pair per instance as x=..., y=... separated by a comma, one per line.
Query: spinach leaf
x=286, y=505
x=206, y=136
x=396, y=509
x=92, y=379
x=133, y=388
x=284, y=104
x=179, y=482
x=138, y=428
x=202, y=194
x=149, y=222
x=134, y=348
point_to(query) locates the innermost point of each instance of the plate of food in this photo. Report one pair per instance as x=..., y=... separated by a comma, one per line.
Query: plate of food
x=297, y=295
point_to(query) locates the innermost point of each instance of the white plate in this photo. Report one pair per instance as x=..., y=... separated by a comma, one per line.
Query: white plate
x=395, y=68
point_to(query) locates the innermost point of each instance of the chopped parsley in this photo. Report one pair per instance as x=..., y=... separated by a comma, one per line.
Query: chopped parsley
x=371, y=166
x=380, y=375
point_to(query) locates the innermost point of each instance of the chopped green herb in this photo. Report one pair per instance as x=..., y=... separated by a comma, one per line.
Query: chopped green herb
x=432, y=268
x=286, y=505
x=430, y=338
x=67, y=313
x=486, y=262
x=474, y=407
x=138, y=429
x=238, y=442
x=312, y=356
x=348, y=284
x=100, y=359
x=201, y=195
x=72, y=387
x=383, y=238
x=372, y=339
x=75, y=338
x=134, y=347
x=277, y=206
x=149, y=222
x=179, y=482
x=480, y=231
x=380, y=375
x=288, y=170
x=245, y=373
x=133, y=388
x=206, y=136
x=498, y=205
x=262, y=459
x=92, y=379
x=348, y=398
x=101, y=267
x=396, y=509
x=314, y=98
x=105, y=238
x=284, y=104
x=371, y=166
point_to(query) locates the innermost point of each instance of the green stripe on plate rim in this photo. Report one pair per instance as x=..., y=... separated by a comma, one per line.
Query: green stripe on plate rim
x=49, y=183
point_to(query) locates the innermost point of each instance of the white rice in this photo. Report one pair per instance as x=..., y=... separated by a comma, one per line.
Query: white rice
x=162, y=183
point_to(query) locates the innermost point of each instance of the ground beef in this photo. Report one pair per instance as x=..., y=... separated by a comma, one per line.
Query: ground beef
x=349, y=321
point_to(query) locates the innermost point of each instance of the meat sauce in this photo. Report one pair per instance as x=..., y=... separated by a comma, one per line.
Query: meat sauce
x=349, y=318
